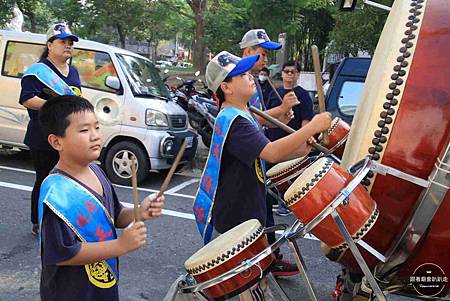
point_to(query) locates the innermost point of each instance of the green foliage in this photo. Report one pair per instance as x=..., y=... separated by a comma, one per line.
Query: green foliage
x=358, y=30
x=226, y=23
x=6, y=11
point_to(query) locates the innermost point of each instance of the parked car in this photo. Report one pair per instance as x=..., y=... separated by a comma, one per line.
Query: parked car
x=134, y=107
x=346, y=86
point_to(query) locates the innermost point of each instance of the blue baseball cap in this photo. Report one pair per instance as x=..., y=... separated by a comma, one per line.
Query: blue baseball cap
x=60, y=31
x=258, y=37
x=225, y=65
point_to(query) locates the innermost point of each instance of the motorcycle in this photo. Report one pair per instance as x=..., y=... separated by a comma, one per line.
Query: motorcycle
x=208, y=110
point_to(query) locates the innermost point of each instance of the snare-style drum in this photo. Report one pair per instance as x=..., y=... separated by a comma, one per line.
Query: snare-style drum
x=284, y=174
x=225, y=253
x=315, y=189
x=337, y=136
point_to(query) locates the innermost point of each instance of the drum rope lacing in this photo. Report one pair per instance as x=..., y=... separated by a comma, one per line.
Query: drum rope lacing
x=311, y=184
x=229, y=253
x=282, y=172
x=333, y=126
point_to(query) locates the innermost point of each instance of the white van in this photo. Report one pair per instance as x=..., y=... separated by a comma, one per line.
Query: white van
x=132, y=103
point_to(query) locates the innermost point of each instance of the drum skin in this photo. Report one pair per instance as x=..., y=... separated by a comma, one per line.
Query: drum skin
x=284, y=185
x=360, y=211
x=336, y=135
x=240, y=282
x=407, y=128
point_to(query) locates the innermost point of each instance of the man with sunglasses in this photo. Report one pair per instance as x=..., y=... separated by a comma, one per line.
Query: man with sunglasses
x=303, y=113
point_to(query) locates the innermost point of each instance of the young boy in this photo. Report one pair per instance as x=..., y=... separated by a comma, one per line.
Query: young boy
x=79, y=210
x=232, y=187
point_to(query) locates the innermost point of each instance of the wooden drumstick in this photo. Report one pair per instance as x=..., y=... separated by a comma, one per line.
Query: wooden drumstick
x=286, y=128
x=274, y=89
x=166, y=182
x=137, y=216
x=320, y=94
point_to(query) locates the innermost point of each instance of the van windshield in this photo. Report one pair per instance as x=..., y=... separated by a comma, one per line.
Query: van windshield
x=143, y=77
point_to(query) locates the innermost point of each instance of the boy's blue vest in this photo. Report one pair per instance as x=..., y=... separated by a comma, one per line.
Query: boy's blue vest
x=86, y=216
x=204, y=199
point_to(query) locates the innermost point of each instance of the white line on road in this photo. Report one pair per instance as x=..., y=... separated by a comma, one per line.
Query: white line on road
x=182, y=185
x=16, y=186
x=129, y=205
x=17, y=169
x=168, y=192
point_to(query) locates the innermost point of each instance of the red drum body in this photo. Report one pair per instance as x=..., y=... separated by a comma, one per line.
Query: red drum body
x=403, y=121
x=315, y=190
x=225, y=253
x=337, y=136
x=284, y=174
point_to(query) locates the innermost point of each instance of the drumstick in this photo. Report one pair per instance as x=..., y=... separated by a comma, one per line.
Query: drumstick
x=166, y=182
x=137, y=216
x=274, y=89
x=285, y=128
x=316, y=63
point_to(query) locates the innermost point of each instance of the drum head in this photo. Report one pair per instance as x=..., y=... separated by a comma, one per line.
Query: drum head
x=284, y=167
x=307, y=180
x=224, y=247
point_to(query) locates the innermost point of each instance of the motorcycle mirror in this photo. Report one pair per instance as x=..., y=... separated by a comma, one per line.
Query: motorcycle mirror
x=197, y=73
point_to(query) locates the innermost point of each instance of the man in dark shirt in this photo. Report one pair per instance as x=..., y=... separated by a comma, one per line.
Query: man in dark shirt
x=303, y=112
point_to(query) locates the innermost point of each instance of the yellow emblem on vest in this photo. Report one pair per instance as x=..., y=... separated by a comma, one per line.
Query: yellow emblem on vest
x=100, y=275
x=259, y=170
x=76, y=90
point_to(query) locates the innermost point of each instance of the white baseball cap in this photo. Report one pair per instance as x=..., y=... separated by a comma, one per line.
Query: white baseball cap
x=60, y=30
x=225, y=65
x=258, y=37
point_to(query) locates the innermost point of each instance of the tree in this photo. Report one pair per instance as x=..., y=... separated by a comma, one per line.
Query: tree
x=36, y=14
x=6, y=11
x=226, y=23
x=358, y=30
x=199, y=8
x=306, y=22
x=123, y=15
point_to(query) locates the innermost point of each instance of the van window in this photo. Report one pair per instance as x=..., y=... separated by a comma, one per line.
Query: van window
x=349, y=97
x=94, y=67
x=143, y=77
x=20, y=56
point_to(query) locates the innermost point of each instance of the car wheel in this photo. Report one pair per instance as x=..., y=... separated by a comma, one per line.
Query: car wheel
x=118, y=162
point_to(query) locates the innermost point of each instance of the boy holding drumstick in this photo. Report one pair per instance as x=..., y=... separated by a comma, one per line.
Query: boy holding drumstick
x=79, y=210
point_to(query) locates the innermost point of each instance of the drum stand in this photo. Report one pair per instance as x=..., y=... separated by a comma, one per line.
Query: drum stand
x=190, y=287
x=299, y=230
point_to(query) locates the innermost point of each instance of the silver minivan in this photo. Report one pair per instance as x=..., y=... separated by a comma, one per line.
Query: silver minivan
x=133, y=105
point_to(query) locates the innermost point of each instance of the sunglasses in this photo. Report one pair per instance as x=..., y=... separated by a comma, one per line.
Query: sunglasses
x=290, y=71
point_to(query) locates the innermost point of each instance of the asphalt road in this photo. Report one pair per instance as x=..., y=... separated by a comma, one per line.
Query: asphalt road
x=145, y=274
